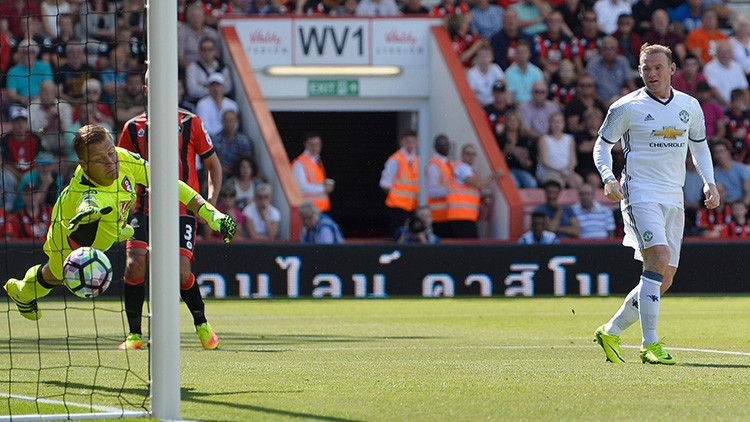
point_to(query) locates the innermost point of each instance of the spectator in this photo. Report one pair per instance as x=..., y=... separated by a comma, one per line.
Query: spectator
x=642, y=13
x=228, y=205
x=740, y=41
x=99, y=112
x=552, y=46
x=505, y=41
x=585, y=140
x=349, y=8
x=33, y=220
x=130, y=100
x=537, y=112
x=484, y=74
x=50, y=10
x=712, y=112
x=197, y=73
x=265, y=7
x=465, y=195
x=560, y=218
x=611, y=71
x=693, y=190
x=562, y=88
x=377, y=8
x=5, y=53
x=13, y=13
x=687, y=79
x=191, y=32
x=19, y=148
x=737, y=122
x=261, y=218
x=557, y=155
x=687, y=16
x=317, y=227
x=486, y=18
x=629, y=42
x=71, y=76
x=712, y=222
x=738, y=225
x=114, y=76
x=522, y=74
x=230, y=143
x=211, y=107
x=51, y=117
x=596, y=220
x=400, y=180
x=732, y=174
x=724, y=74
x=65, y=36
x=589, y=40
x=45, y=176
x=245, y=178
x=97, y=24
x=572, y=13
x=450, y=7
x=531, y=15
x=585, y=98
x=23, y=79
x=418, y=228
x=438, y=176
x=661, y=34
x=538, y=235
x=517, y=147
x=310, y=174
x=465, y=43
x=495, y=112
x=608, y=12
x=702, y=42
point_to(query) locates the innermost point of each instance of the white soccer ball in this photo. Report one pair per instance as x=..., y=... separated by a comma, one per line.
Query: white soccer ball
x=87, y=272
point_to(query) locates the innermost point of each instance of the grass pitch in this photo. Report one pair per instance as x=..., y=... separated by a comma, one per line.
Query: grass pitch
x=401, y=360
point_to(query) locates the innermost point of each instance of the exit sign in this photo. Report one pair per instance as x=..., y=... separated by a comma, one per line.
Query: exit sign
x=332, y=88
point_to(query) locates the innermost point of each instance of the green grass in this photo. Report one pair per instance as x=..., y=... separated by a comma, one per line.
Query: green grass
x=408, y=360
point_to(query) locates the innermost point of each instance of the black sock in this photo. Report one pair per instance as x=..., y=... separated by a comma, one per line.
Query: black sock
x=134, y=296
x=194, y=301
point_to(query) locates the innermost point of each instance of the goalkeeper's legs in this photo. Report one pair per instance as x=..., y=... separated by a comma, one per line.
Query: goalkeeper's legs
x=36, y=283
x=135, y=293
x=191, y=295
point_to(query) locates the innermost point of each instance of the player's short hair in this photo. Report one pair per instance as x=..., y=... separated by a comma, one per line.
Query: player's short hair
x=553, y=183
x=647, y=49
x=310, y=135
x=737, y=93
x=87, y=136
x=523, y=42
x=407, y=133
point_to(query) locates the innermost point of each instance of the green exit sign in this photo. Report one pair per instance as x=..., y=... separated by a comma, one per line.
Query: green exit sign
x=332, y=88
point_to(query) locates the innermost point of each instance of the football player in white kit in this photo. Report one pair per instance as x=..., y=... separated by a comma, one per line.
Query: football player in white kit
x=656, y=126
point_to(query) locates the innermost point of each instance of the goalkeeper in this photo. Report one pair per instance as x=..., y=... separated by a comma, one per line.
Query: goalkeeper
x=92, y=211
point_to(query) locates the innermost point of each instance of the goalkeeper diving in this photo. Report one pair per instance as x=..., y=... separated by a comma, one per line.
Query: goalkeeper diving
x=93, y=209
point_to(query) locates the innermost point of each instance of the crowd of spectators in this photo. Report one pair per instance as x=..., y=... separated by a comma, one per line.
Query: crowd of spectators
x=544, y=71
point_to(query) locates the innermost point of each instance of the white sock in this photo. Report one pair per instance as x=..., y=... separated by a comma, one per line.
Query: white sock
x=648, y=300
x=626, y=316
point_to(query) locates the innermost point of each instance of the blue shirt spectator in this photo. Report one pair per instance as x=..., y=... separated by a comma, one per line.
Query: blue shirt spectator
x=537, y=235
x=23, y=79
x=486, y=18
x=318, y=227
x=561, y=219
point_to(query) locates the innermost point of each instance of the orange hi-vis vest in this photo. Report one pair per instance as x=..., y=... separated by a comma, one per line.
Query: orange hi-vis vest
x=463, y=201
x=439, y=206
x=405, y=187
x=315, y=173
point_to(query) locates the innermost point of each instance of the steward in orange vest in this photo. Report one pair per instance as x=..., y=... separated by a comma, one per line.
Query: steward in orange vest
x=438, y=180
x=310, y=174
x=400, y=180
x=465, y=195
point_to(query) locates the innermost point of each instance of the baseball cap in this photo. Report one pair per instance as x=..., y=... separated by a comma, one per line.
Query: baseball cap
x=498, y=86
x=215, y=78
x=18, y=112
x=45, y=158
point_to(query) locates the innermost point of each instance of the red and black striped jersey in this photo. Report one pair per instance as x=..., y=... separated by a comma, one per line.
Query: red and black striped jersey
x=557, y=49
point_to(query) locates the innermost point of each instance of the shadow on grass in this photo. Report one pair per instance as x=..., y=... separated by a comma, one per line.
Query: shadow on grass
x=190, y=395
x=716, y=365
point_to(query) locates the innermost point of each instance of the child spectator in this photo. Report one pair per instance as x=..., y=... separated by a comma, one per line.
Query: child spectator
x=33, y=220
x=484, y=74
x=538, y=235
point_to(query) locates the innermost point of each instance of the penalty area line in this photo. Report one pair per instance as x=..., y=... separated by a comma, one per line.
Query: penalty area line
x=111, y=412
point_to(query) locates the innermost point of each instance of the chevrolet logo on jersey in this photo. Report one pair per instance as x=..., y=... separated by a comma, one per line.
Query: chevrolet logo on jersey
x=667, y=133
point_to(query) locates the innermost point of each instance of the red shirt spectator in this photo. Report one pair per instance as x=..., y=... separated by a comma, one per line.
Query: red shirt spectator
x=20, y=147
x=13, y=10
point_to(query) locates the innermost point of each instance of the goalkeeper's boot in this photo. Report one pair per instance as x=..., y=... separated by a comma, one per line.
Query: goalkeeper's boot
x=132, y=342
x=610, y=344
x=209, y=339
x=653, y=353
x=28, y=310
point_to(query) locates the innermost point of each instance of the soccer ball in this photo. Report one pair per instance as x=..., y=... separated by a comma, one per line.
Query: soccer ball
x=87, y=272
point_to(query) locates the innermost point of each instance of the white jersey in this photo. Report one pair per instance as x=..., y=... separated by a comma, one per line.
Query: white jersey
x=654, y=135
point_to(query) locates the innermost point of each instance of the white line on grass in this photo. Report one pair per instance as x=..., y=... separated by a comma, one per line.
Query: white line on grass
x=337, y=349
x=111, y=412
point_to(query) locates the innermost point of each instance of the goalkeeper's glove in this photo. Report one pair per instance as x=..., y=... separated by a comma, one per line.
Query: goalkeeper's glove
x=125, y=233
x=218, y=221
x=93, y=214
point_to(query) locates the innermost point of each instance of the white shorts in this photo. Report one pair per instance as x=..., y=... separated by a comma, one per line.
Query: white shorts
x=650, y=224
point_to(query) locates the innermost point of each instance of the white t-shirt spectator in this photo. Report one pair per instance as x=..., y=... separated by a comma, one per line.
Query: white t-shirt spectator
x=482, y=83
x=251, y=212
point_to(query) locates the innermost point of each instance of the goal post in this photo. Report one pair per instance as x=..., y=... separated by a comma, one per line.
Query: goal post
x=164, y=246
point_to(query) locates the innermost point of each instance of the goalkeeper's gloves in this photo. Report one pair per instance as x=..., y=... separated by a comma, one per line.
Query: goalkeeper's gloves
x=218, y=221
x=125, y=233
x=93, y=214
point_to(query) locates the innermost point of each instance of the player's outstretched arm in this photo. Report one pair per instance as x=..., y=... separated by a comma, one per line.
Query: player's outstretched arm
x=88, y=213
x=217, y=220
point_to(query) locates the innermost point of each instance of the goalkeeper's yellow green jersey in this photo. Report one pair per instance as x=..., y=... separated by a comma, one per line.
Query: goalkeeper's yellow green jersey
x=103, y=233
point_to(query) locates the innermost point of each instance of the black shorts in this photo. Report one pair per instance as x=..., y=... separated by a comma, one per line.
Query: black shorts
x=187, y=229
